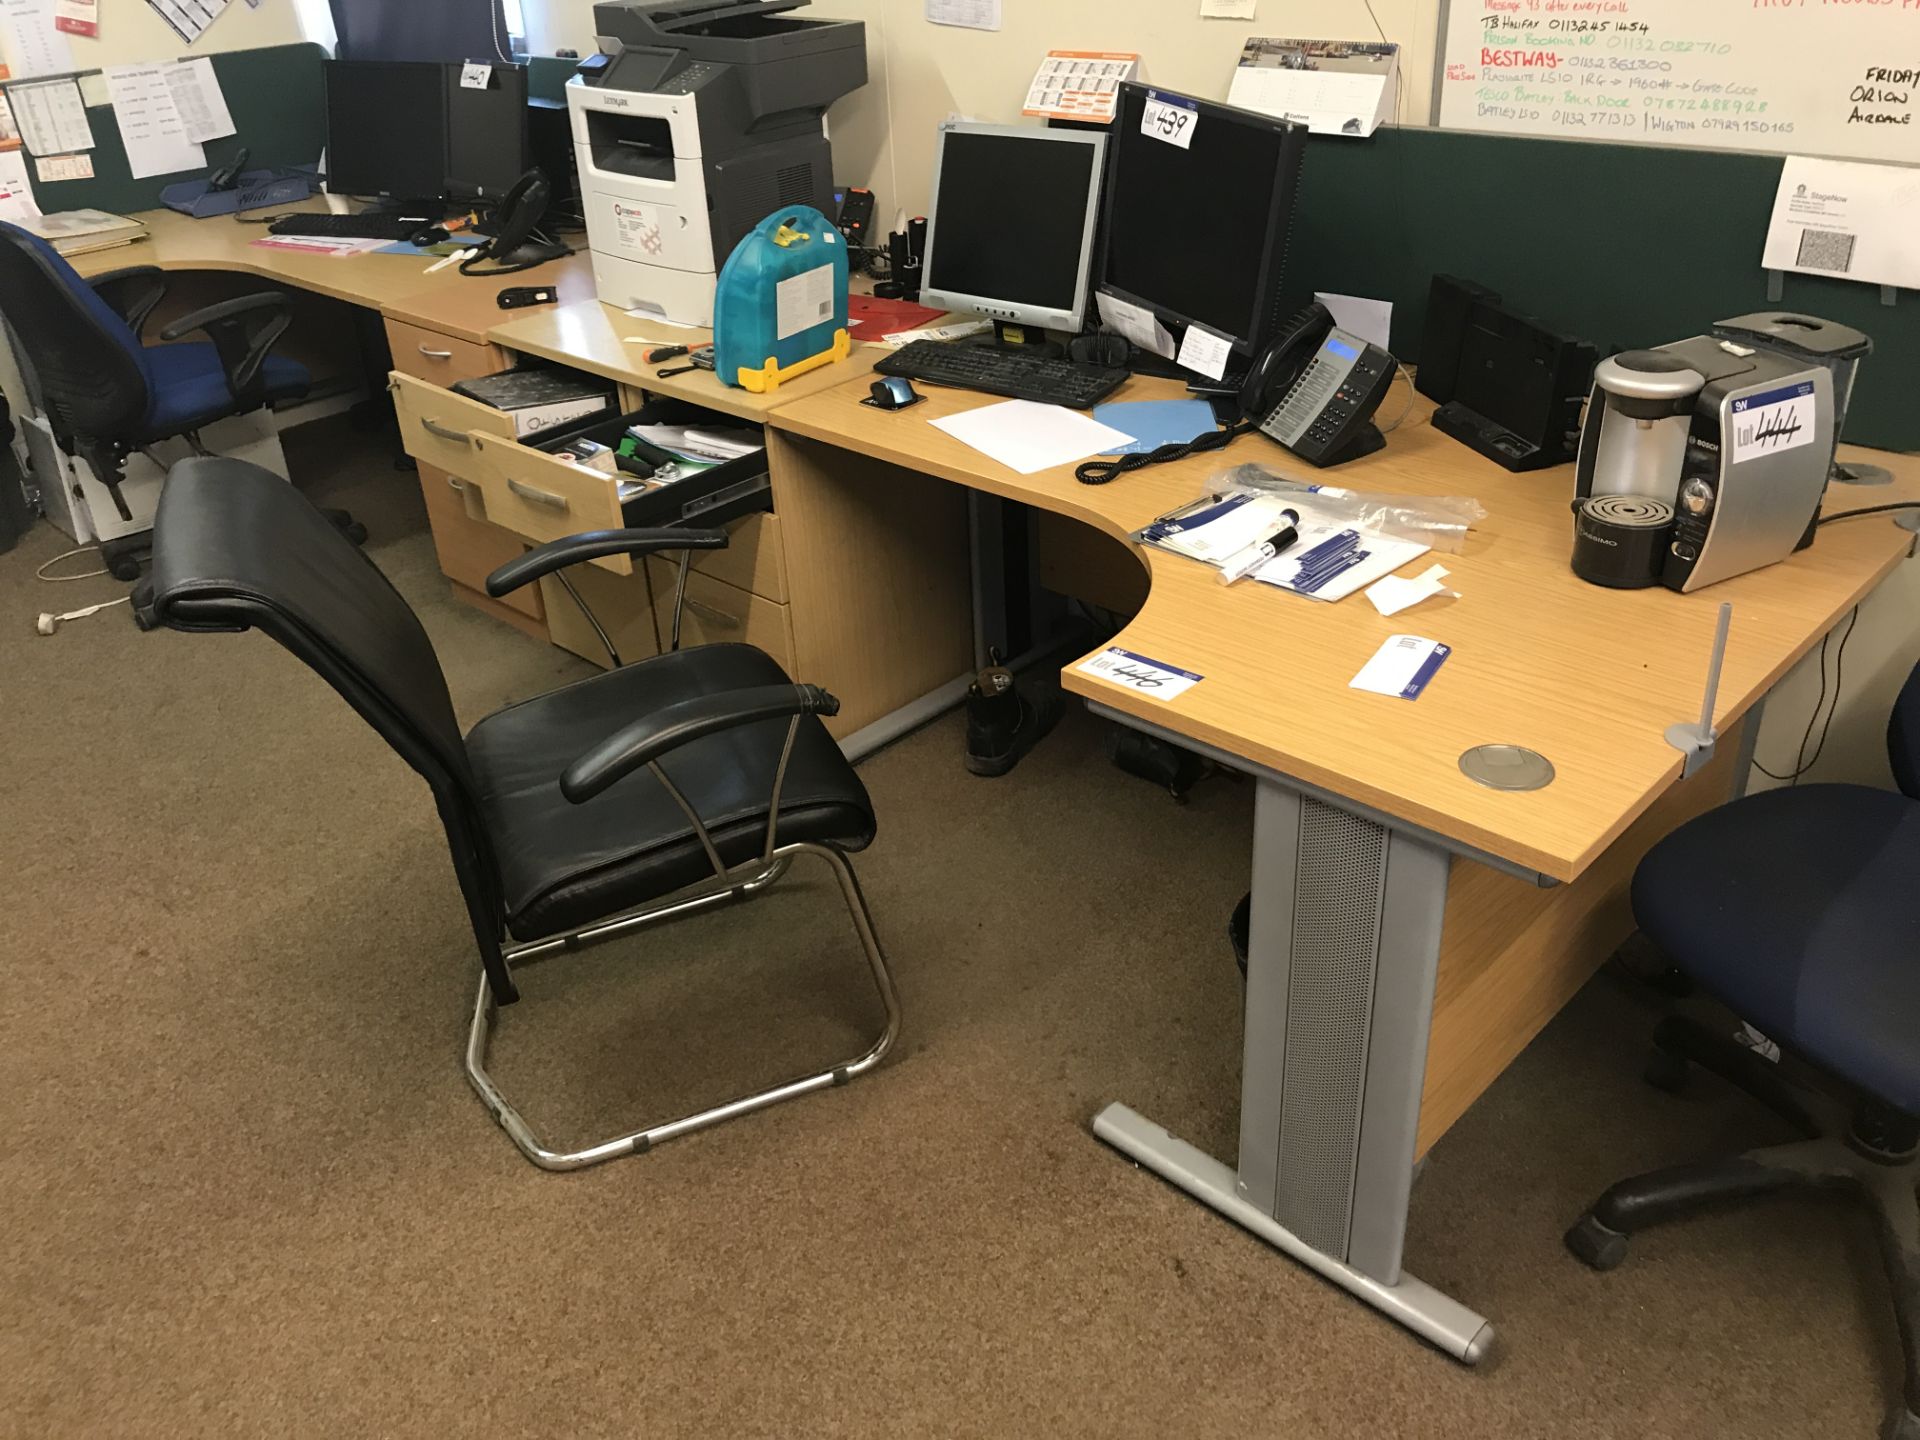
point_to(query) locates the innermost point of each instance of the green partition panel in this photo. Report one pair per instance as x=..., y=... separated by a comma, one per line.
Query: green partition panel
x=1622, y=245
x=279, y=113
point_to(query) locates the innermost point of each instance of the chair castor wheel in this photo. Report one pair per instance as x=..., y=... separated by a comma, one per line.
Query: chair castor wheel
x=356, y=532
x=1596, y=1245
x=124, y=567
x=1666, y=1072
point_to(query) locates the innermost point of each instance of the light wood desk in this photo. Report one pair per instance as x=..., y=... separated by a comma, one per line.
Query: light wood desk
x=1412, y=930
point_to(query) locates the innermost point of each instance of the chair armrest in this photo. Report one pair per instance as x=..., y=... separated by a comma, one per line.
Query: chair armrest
x=593, y=545
x=645, y=741
x=243, y=330
x=131, y=292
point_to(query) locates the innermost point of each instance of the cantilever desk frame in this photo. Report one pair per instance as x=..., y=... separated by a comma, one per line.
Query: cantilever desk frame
x=1388, y=978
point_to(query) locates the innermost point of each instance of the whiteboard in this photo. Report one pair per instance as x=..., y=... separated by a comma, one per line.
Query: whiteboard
x=1809, y=77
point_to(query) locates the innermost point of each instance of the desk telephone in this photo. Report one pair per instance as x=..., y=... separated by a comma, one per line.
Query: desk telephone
x=1314, y=389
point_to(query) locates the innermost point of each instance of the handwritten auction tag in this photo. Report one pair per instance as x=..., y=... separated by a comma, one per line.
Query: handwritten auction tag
x=1136, y=672
x=1169, y=118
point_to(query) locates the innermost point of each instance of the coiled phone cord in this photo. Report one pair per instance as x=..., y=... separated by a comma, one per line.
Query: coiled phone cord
x=1100, y=472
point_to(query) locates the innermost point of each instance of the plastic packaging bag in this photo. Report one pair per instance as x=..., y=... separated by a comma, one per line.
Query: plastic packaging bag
x=1438, y=521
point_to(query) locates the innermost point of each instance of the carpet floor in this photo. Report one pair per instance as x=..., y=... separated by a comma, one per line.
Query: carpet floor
x=246, y=1189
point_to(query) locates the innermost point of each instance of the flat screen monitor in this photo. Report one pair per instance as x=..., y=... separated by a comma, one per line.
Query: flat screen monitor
x=1197, y=213
x=387, y=128
x=487, y=145
x=1011, y=231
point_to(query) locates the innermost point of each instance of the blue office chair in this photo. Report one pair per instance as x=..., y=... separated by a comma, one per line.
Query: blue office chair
x=1800, y=909
x=106, y=394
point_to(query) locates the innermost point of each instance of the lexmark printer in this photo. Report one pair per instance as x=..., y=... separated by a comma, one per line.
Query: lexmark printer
x=697, y=120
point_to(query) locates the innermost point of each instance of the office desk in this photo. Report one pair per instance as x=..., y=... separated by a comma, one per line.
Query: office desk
x=610, y=342
x=1411, y=930
x=395, y=285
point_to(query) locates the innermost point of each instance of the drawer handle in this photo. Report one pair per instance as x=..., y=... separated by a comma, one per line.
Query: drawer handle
x=457, y=483
x=718, y=617
x=539, y=497
x=436, y=354
x=445, y=432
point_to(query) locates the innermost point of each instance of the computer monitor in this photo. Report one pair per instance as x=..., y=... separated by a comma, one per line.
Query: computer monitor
x=1196, y=225
x=1011, y=230
x=387, y=128
x=487, y=144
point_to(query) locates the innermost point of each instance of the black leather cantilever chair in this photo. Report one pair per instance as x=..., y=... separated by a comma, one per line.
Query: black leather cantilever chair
x=680, y=782
x=1797, y=907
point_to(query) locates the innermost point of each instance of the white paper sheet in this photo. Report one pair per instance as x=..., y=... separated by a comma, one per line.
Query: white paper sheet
x=1398, y=592
x=1371, y=320
x=64, y=167
x=1028, y=437
x=1204, y=352
x=1138, y=324
x=1227, y=9
x=197, y=96
x=35, y=46
x=16, y=193
x=189, y=18
x=150, y=123
x=1847, y=219
x=78, y=17
x=52, y=118
x=968, y=14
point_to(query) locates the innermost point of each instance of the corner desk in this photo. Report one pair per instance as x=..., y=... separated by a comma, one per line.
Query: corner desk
x=1411, y=930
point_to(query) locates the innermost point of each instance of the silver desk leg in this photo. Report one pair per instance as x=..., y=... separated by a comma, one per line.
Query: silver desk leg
x=1344, y=946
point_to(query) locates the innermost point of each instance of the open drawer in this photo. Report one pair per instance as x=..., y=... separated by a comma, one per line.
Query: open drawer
x=533, y=494
x=442, y=428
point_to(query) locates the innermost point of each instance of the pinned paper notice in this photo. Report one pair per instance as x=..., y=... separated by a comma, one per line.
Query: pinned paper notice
x=1845, y=219
x=9, y=127
x=968, y=14
x=189, y=18
x=16, y=194
x=1137, y=323
x=151, y=126
x=1333, y=87
x=1396, y=593
x=52, y=117
x=1204, y=352
x=78, y=17
x=35, y=44
x=64, y=167
x=197, y=96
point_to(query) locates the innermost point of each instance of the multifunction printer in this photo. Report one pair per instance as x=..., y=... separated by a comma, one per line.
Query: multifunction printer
x=696, y=121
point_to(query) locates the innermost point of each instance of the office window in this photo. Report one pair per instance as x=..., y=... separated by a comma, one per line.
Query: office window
x=516, y=25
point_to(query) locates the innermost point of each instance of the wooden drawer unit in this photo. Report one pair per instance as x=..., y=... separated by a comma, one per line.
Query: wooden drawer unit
x=429, y=355
x=752, y=561
x=622, y=603
x=718, y=613
x=469, y=548
x=532, y=494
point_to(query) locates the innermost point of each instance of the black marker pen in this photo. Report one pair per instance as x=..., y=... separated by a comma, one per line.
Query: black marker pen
x=1252, y=558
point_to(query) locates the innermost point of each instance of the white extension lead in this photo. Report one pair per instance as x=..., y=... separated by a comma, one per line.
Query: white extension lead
x=49, y=621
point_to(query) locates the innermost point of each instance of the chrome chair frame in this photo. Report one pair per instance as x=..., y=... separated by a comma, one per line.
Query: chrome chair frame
x=725, y=887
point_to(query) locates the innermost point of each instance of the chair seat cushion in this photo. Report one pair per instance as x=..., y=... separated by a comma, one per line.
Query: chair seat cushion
x=1800, y=908
x=189, y=388
x=563, y=866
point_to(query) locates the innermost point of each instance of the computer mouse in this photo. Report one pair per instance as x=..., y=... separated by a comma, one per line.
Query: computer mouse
x=894, y=392
x=432, y=235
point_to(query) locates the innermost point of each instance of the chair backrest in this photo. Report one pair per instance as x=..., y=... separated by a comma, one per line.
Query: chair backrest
x=235, y=547
x=1903, y=737
x=84, y=358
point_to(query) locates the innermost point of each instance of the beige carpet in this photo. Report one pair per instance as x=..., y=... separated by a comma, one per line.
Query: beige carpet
x=244, y=1188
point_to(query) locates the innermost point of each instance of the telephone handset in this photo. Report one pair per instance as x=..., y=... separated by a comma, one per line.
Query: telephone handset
x=1316, y=388
x=516, y=221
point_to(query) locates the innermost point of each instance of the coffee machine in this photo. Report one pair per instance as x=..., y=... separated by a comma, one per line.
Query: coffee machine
x=1700, y=460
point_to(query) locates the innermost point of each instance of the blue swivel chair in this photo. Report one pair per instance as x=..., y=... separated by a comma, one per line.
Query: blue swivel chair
x=1800, y=909
x=108, y=395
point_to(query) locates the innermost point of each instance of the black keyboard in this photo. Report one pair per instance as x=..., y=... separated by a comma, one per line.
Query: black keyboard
x=1004, y=372
x=350, y=227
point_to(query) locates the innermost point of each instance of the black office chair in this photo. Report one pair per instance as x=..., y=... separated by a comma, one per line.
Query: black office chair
x=1800, y=908
x=107, y=395
x=677, y=783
